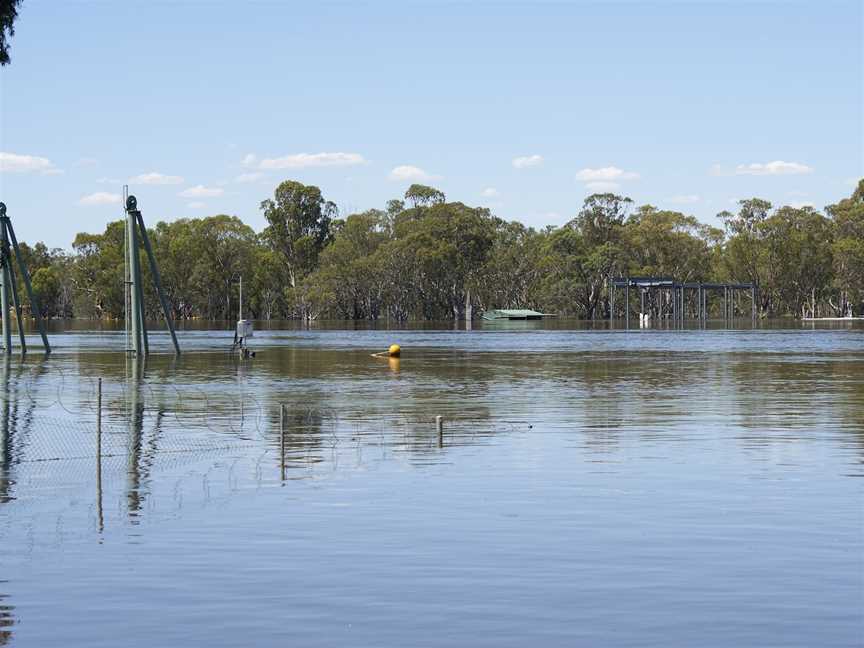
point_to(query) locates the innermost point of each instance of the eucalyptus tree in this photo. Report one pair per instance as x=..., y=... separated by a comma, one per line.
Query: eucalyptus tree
x=298, y=229
x=510, y=275
x=450, y=244
x=227, y=247
x=98, y=272
x=348, y=284
x=668, y=244
x=424, y=196
x=563, y=272
x=402, y=279
x=201, y=261
x=848, y=251
x=744, y=253
x=437, y=260
x=50, y=272
x=600, y=224
x=797, y=259
x=265, y=294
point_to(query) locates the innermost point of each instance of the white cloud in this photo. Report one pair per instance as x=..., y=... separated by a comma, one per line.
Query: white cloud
x=683, y=199
x=525, y=161
x=606, y=174
x=100, y=198
x=155, y=178
x=407, y=172
x=196, y=205
x=250, y=160
x=490, y=192
x=306, y=160
x=601, y=186
x=200, y=191
x=248, y=178
x=14, y=163
x=604, y=179
x=777, y=167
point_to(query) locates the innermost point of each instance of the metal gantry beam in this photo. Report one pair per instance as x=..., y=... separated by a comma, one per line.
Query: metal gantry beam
x=677, y=291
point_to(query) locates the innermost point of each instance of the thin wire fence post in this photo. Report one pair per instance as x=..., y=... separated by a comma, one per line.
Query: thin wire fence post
x=99, y=452
x=282, y=438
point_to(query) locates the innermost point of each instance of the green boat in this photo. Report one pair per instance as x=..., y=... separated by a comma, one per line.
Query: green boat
x=517, y=314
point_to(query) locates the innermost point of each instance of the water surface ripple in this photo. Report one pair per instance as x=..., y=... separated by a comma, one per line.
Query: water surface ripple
x=592, y=487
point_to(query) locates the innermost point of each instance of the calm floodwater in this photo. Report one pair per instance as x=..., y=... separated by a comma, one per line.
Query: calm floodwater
x=593, y=487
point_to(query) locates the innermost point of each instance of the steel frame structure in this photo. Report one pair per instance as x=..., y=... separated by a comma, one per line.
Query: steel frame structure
x=678, y=293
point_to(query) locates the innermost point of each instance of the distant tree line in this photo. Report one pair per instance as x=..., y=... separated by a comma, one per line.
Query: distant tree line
x=423, y=258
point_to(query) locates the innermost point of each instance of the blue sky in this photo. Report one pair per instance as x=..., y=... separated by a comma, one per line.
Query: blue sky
x=203, y=107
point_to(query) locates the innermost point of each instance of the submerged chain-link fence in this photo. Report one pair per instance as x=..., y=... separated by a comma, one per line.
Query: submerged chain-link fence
x=141, y=428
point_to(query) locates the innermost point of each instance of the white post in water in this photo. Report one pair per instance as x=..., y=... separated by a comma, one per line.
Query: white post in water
x=99, y=420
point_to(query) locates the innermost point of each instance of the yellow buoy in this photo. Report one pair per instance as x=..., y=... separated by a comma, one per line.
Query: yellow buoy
x=394, y=351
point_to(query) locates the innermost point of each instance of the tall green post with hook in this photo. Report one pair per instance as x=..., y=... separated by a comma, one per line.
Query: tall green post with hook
x=136, y=230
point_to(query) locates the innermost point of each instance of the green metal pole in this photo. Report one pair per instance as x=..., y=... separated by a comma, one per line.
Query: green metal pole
x=4, y=291
x=17, y=304
x=611, y=300
x=154, y=270
x=627, y=305
x=34, y=303
x=135, y=274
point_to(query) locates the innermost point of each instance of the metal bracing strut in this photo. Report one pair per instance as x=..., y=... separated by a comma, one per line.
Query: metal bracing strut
x=157, y=280
x=9, y=285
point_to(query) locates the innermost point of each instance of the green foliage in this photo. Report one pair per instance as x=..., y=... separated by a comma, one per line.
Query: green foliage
x=201, y=262
x=600, y=224
x=848, y=248
x=796, y=245
x=423, y=196
x=48, y=287
x=98, y=272
x=299, y=221
x=8, y=14
x=436, y=260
